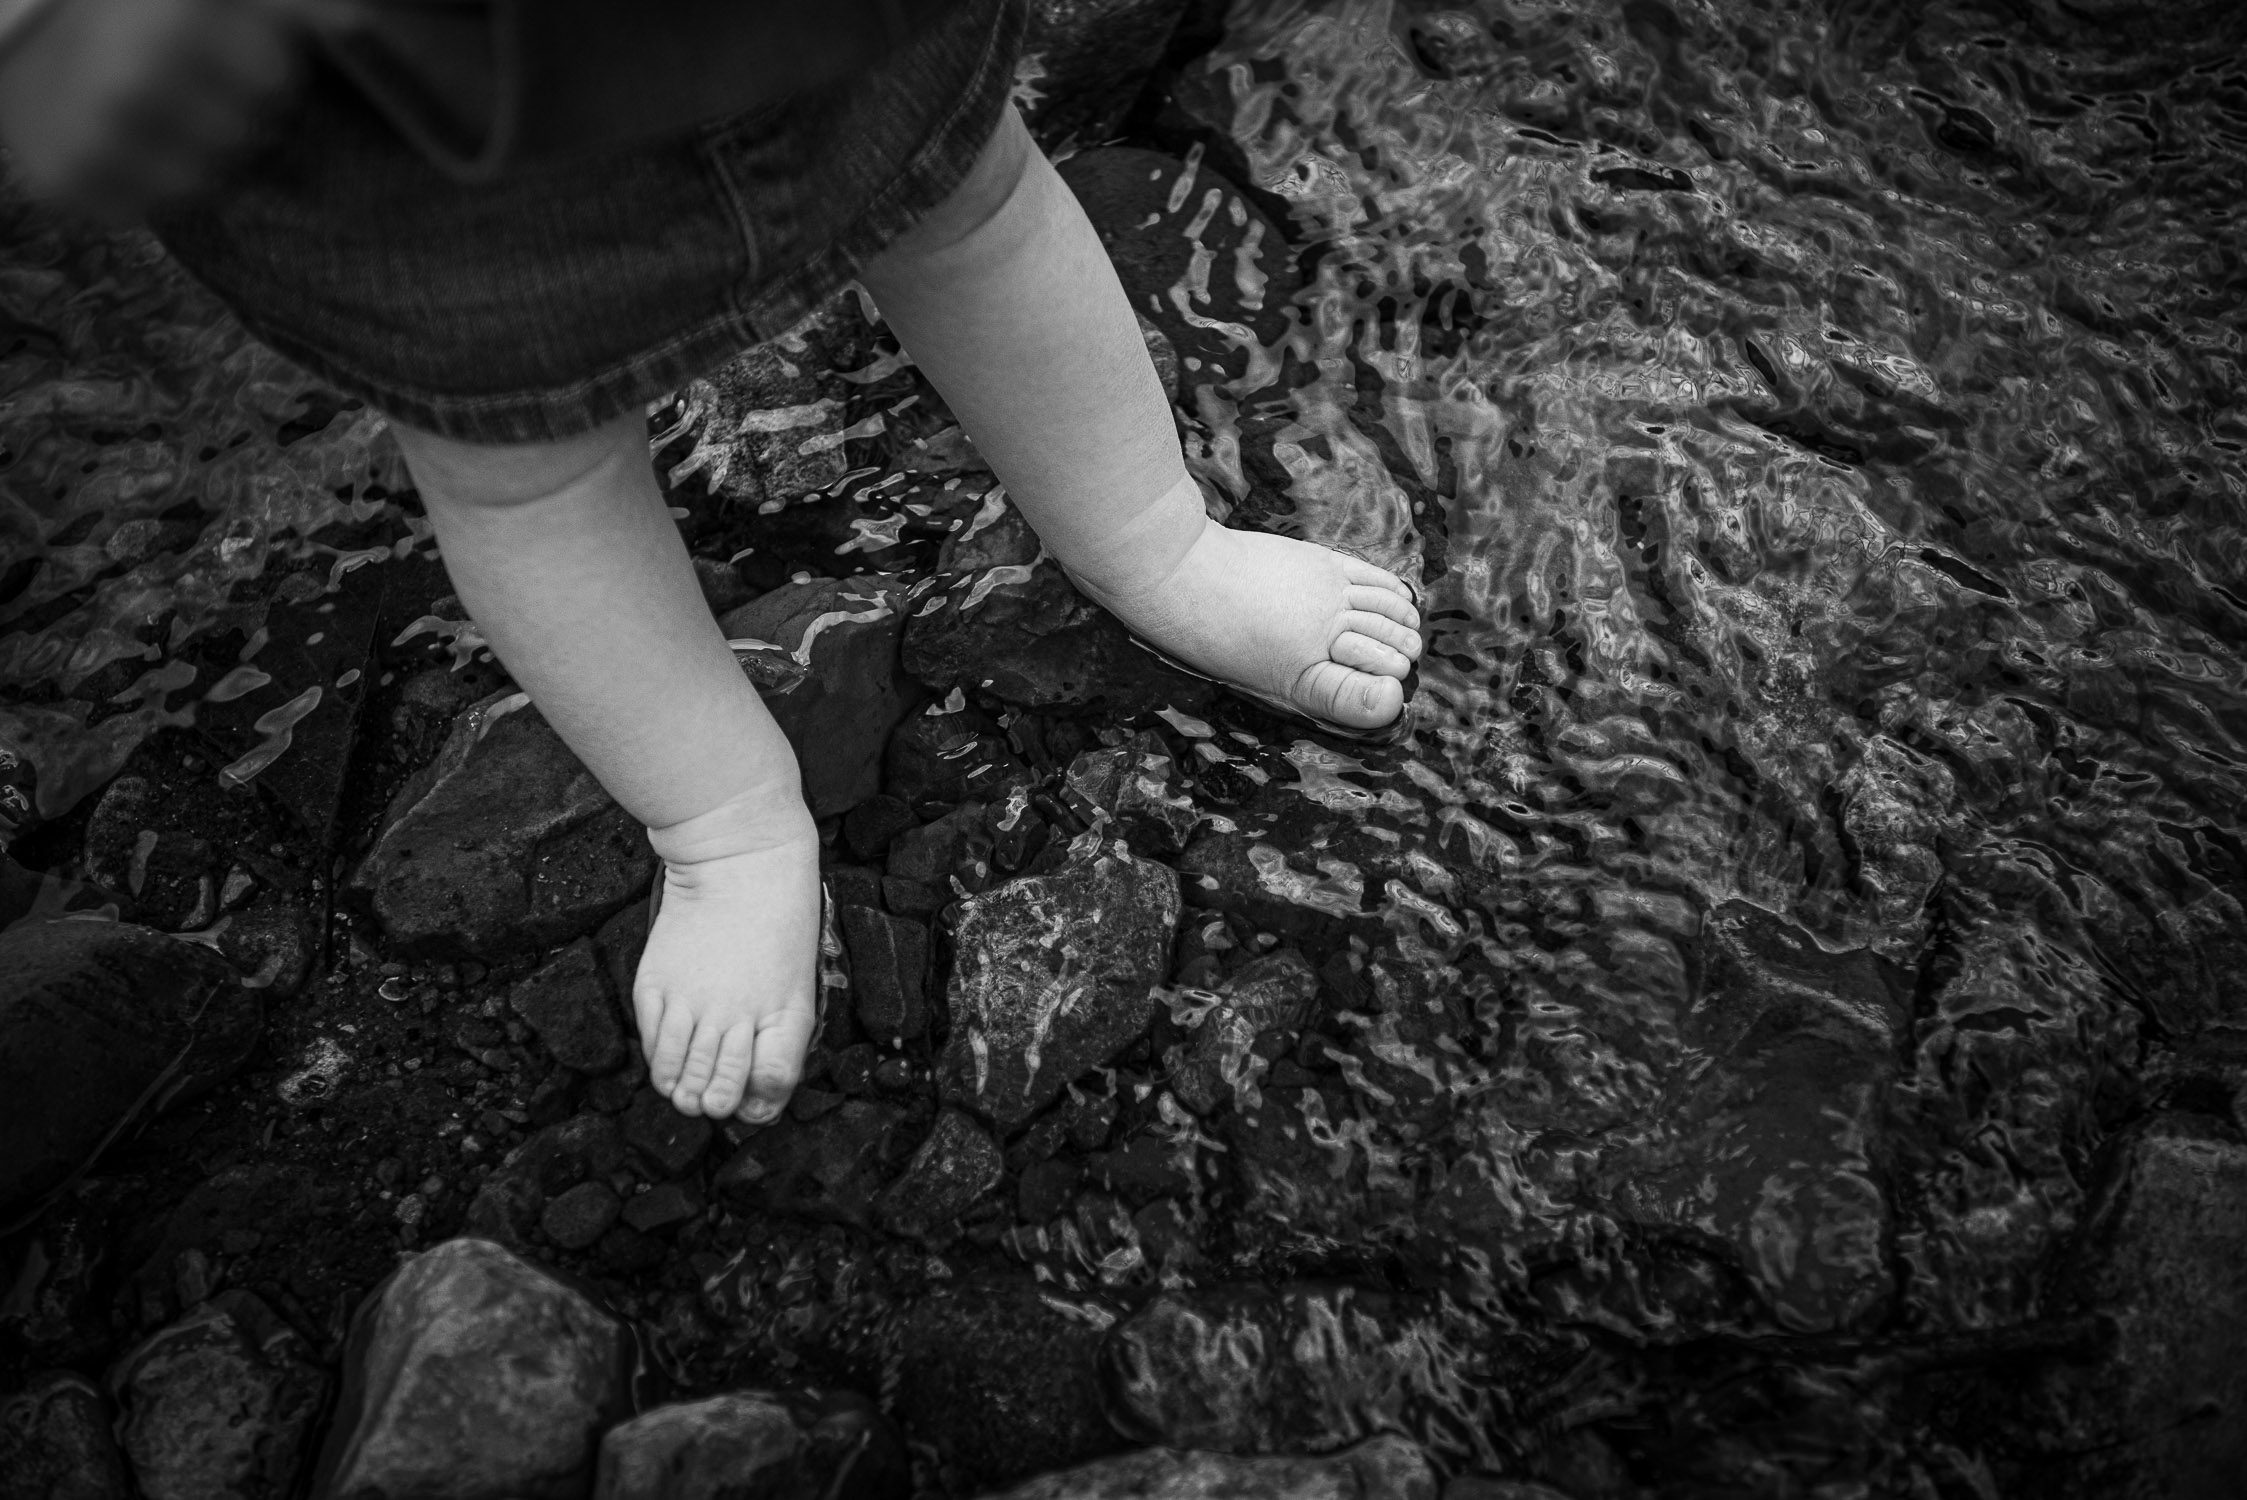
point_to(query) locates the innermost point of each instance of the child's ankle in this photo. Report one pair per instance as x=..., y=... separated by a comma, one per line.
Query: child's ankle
x=762, y=817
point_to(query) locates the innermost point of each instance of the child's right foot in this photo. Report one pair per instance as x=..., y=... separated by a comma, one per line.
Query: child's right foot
x=1297, y=624
x=726, y=994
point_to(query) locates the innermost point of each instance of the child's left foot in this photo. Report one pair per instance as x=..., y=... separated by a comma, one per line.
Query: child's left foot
x=1315, y=630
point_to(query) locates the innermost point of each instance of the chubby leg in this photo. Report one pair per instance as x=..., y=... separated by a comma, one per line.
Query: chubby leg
x=1010, y=305
x=576, y=575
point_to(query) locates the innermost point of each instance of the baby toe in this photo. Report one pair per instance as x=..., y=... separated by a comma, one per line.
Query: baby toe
x=1389, y=604
x=695, y=1072
x=667, y=1053
x=1400, y=638
x=729, y=1072
x=1359, y=700
x=782, y=1040
x=1353, y=649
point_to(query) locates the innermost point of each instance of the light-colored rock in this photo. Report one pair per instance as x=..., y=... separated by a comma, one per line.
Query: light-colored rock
x=472, y=1375
x=755, y=1444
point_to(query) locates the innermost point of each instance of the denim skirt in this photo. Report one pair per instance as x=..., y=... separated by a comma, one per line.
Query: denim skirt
x=568, y=292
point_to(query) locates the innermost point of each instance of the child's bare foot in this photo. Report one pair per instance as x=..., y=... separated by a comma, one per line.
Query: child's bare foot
x=725, y=992
x=1320, y=631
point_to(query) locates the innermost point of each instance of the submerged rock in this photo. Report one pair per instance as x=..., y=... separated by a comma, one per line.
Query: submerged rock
x=1218, y=1066
x=1382, y=1468
x=1053, y=975
x=1135, y=784
x=1001, y=1377
x=1302, y=1368
x=567, y=1004
x=828, y=670
x=219, y=1404
x=954, y=1167
x=1008, y=621
x=827, y=1168
x=100, y=1024
x=755, y=1444
x=504, y=842
x=508, y=1205
x=2165, y=1255
x=1085, y=61
x=471, y=1375
x=888, y=972
x=1777, y=1147
x=56, y=1443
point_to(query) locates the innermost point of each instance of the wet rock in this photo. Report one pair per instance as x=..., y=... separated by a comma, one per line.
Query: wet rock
x=1148, y=1166
x=755, y=1443
x=1893, y=805
x=869, y=827
x=1046, y=1188
x=1054, y=975
x=829, y=1168
x=581, y=1215
x=1382, y=1468
x=764, y=431
x=508, y=1204
x=1304, y=868
x=56, y=1443
x=567, y=1003
x=955, y=1166
x=504, y=842
x=220, y=1404
x=828, y=670
x=472, y=1376
x=668, y=1141
x=1134, y=784
x=2162, y=1415
x=1085, y=61
x=667, y=1205
x=1298, y=1369
x=100, y=1024
x=1300, y=1174
x=951, y=845
x=1475, y=1487
x=1008, y=621
x=1001, y=1377
x=888, y=972
x=133, y=845
x=1219, y=1065
x=1777, y=1147
x=944, y=756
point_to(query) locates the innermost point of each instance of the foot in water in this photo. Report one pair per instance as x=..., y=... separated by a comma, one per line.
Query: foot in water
x=726, y=995
x=1296, y=624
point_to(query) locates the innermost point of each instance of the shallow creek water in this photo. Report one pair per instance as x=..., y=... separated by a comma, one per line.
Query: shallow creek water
x=1817, y=430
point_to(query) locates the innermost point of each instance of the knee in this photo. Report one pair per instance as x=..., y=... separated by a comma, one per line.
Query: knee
x=455, y=475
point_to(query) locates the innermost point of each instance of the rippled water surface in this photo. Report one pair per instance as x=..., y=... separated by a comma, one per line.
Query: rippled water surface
x=1818, y=428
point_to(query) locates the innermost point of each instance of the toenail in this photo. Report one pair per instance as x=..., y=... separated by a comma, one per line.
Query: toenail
x=761, y=1111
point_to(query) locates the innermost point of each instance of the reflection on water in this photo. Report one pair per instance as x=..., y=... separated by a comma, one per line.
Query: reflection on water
x=1818, y=429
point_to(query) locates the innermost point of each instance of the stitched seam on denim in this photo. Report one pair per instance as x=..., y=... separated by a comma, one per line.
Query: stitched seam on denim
x=787, y=298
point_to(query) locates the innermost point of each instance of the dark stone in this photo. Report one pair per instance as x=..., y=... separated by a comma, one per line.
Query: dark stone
x=853, y=885
x=1380, y=1468
x=830, y=1168
x=1046, y=1188
x=1054, y=975
x=620, y=942
x=220, y=1403
x=56, y=1443
x=829, y=673
x=888, y=972
x=507, y=1206
x=503, y=843
x=944, y=756
x=756, y=1443
x=1219, y=1065
x=101, y=1024
x=1001, y=1377
x=567, y=1003
x=1304, y=1368
x=668, y=1141
x=852, y=1069
x=1010, y=623
x=869, y=827
x=933, y=853
x=764, y=429
x=1780, y=1140
x=1085, y=61
x=579, y=1216
x=667, y=1205
x=1133, y=784
x=470, y=1374
x=2164, y=1414
x=1146, y=1167
x=1089, y=1118
x=627, y=1252
x=955, y=1166
x=913, y=898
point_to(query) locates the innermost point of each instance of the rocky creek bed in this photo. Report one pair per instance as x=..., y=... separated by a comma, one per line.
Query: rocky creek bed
x=1774, y=1022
